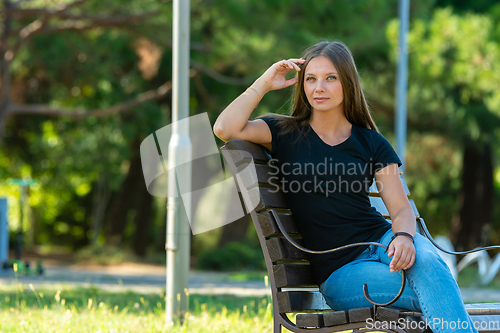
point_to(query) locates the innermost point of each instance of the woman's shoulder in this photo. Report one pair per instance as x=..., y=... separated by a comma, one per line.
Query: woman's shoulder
x=369, y=133
x=370, y=138
x=275, y=118
x=364, y=132
x=281, y=123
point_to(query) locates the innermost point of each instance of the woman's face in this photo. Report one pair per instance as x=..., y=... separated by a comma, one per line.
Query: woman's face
x=322, y=85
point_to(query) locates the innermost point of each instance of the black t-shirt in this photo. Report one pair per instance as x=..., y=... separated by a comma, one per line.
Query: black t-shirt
x=326, y=188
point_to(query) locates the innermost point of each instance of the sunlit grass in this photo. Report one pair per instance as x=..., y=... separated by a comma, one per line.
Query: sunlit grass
x=65, y=308
x=24, y=308
x=247, y=276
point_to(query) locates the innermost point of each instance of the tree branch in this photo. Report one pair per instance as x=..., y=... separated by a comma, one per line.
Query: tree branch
x=89, y=20
x=41, y=109
x=219, y=77
x=18, y=12
x=31, y=28
x=81, y=22
x=105, y=21
x=71, y=5
x=62, y=13
x=47, y=110
x=17, y=3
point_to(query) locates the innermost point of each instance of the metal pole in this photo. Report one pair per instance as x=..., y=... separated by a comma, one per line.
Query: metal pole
x=402, y=80
x=4, y=233
x=20, y=231
x=179, y=154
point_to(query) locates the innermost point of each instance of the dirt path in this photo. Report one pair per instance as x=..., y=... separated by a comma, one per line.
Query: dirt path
x=138, y=277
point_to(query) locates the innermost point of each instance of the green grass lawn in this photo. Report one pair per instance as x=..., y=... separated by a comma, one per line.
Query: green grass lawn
x=469, y=277
x=63, y=308
x=26, y=309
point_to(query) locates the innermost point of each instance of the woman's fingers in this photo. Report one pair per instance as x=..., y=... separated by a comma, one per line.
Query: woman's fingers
x=295, y=63
x=406, y=261
x=291, y=82
x=412, y=261
x=275, y=76
x=284, y=65
x=396, y=260
x=287, y=65
x=290, y=64
x=404, y=255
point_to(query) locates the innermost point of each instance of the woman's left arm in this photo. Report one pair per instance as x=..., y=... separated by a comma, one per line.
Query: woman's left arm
x=403, y=219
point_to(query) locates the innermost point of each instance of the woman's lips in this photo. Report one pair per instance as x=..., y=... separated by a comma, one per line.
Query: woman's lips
x=320, y=99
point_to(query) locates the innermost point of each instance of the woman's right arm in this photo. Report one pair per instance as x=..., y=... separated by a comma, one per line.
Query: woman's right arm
x=233, y=122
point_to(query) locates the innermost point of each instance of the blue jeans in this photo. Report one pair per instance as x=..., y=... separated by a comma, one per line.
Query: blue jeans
x=430, y=287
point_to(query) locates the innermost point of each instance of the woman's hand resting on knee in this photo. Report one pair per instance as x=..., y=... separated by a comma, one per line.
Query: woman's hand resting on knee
x=391, y=189
x=402, y=252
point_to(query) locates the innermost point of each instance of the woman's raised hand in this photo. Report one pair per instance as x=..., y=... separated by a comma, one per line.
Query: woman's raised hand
x=274, y=77
x=233, y=122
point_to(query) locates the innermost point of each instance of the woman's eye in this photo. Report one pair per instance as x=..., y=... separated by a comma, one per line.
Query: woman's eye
x=332, y=77
x=310, y=78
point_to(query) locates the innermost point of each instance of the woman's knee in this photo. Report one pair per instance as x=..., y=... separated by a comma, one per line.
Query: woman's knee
x=427, y=257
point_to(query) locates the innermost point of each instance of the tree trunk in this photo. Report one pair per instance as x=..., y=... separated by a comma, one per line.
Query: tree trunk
x=125, y=199
x=162, y=240
x=470, y=228
x=5, y=57
x=237, y=230
x=143, y=220
x=101, y=198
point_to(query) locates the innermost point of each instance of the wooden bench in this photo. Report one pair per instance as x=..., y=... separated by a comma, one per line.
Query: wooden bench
x=293, y=288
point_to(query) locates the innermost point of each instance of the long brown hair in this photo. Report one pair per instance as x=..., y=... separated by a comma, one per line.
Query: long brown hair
x=355, y=107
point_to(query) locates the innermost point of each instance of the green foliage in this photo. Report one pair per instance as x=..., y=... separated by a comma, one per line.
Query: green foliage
x=434, y=178
x=452, y=100
x=93, y=69
x=480, y=6
x=452, y=93
x=469, y=278
x=452, y=77
x=246, y=37
x=233, y=256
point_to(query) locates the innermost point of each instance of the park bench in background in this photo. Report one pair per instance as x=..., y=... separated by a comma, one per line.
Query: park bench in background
x=292, y=286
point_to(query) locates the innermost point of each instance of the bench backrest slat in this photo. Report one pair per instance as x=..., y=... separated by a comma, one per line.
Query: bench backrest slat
x=301, y=301
x=241, y=151
x=264, y=198
x=270, y=228
x=293, y=276
x=280, y=250
x=259, y=174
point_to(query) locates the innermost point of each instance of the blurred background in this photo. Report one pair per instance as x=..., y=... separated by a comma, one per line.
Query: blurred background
x=84, y=82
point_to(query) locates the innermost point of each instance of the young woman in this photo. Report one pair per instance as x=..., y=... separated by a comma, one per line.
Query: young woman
x=328, y=151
